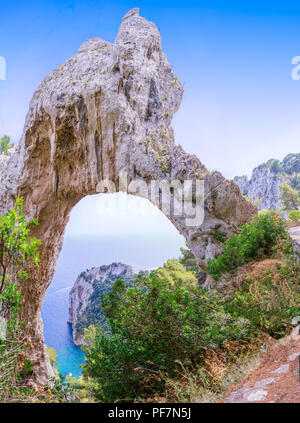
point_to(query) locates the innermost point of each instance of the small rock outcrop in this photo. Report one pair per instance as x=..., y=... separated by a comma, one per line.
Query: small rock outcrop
x=105, y=111
x=84, y=297
x=294, y=231
x=266, y=180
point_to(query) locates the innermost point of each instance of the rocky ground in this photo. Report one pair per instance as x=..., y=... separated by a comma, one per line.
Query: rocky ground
x=277, y=377
x=295, y=233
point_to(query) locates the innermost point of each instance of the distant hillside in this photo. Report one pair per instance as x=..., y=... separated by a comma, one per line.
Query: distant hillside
x=267, y=178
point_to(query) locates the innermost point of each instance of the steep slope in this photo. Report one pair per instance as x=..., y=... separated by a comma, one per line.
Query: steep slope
x=276, y=379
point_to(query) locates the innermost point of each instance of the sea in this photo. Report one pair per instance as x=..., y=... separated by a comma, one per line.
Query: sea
x=79, y=252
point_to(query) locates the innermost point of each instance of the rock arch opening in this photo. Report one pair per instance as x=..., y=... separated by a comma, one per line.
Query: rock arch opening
x=106, y=110
x=116, y=233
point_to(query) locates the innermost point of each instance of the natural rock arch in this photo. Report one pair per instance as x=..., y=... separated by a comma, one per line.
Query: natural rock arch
x=107, y=109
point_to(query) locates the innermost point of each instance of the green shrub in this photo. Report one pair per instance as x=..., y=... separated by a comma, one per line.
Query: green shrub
x=18, y=249
x=174, y=272
x=289, y=197
x=188, y=260
x=255, y=240
x=270, y=302
x=294, y=215
x=5, y=144
x=155, y=327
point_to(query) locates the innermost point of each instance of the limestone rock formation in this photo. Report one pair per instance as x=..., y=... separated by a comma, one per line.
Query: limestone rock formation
x=266, y=180
x=294, y=232
x=84, y=307
x=106, y=110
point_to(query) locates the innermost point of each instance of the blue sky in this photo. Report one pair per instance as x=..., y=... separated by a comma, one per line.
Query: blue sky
x=241, y=105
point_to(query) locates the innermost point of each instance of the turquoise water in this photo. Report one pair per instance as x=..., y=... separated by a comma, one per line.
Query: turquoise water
x=83, y=252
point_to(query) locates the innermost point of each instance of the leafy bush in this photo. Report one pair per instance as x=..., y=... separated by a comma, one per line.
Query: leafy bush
x=294, y=215
x=270, y=302
x=155, y=327
x=255, y=240
x=174, y=272
x=18, y=250
x=52, y=354
x=93, y=314
x=5, y=144
x=289, y=197
x=171, y=339
x=188, y=260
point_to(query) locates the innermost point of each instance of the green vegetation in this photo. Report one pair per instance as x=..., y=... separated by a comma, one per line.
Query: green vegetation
x=216, y=235
x=171, y=340
x=5, y=144
x=288, y=169
x=18, y=251
x=52, y=354
x=289, y=197
x=289, y=165
x=270, y=302
x=188, y=260
x=156, y=328
x=294, y=215
x=158, y=336
x=256, y=240
x=175, y=273
x=93, y=314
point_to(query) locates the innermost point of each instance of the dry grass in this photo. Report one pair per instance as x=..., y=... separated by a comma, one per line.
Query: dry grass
x=253, y=270
x=221, y=371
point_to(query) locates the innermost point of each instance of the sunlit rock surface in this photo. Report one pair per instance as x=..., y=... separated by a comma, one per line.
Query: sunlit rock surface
x=107, y=109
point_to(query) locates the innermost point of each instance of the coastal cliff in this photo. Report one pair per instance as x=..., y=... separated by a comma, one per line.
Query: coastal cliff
x=84, y=297
x=266, y=180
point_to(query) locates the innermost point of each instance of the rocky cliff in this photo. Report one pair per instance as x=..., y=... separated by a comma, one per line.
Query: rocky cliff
x=106, y=111
x=84, y=298
x=264, y=184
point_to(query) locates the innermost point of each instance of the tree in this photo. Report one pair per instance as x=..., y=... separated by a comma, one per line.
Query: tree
x=5, y=144
x=289, y=197
x=173, y=272
x=188, y=260
x=294, y=215
x=17, y=252
x=52, y=354
x=17, y=248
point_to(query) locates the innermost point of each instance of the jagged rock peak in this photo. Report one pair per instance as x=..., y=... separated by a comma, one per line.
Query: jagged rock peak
x=100, y=113
x=131, y=13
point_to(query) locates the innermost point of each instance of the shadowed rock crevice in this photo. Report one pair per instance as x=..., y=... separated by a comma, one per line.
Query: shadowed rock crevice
x=81, y=127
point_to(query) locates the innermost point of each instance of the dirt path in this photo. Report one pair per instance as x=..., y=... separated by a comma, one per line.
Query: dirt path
x=277, y=378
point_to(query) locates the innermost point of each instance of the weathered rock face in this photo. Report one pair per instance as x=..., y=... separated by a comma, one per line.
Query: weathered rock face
x=267, y=179
x=263, y=186
x=107, y=109
x=84, y=308
x=294, y=232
